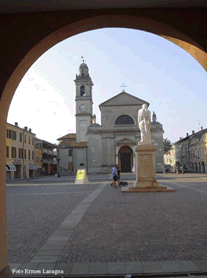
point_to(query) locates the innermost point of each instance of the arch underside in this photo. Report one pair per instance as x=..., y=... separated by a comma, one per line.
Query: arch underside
x=194, y=51
x=70, y=24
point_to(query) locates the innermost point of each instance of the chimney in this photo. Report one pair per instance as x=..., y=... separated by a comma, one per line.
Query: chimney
x=30, y=130
x=193, y=131
x=16, y=124
x=25, y=127
x=201, y=128
x=186, y=134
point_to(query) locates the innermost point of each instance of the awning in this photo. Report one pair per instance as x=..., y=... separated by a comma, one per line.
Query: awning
x=10, y=167
x=33, y=167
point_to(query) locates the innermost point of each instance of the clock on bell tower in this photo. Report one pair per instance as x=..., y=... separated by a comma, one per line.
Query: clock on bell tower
x=84, y=102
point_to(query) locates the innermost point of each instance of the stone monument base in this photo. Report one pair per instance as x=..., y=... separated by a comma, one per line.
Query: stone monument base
x=147, y=189
x=145, y=172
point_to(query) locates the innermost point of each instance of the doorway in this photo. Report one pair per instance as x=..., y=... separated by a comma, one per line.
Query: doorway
x=126, y=159
x=17, y=173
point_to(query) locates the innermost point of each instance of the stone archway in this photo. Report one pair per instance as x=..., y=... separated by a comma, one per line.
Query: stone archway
x=192, y=165
x=126, y=159
x=199, y=167
x=53, y=27
x=195, y=167
x=202, y=167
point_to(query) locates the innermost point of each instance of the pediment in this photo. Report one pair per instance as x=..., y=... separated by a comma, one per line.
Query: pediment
x=124, y=141
x=123, y=99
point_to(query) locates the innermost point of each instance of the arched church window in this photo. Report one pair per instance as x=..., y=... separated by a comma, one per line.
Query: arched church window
x=124, y=120
x=82, y=90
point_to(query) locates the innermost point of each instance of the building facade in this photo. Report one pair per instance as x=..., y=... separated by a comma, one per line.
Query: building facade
x=19, y=152
x=48, y=160
x=170, y=160
x=97, y=147
x=38, y=160
x=190, y=152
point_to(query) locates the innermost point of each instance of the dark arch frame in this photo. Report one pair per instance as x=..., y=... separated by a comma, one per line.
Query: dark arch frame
x=34, y=39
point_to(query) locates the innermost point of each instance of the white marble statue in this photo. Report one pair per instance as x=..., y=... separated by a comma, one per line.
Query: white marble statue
x=144, y=120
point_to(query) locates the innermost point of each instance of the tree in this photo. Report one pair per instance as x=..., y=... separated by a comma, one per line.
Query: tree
x=167, y=145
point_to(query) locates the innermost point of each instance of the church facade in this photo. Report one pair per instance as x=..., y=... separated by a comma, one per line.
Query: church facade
x=97, y=147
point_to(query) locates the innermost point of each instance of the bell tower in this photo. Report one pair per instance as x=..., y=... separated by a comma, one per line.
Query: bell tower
x=84, y=102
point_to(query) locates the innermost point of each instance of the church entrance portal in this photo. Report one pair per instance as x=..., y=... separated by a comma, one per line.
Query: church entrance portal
x=126, y=159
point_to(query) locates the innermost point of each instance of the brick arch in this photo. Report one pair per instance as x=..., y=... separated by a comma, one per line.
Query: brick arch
x=38, y=32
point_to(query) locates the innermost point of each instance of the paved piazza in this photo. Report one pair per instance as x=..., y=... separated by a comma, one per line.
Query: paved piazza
x=54, y=221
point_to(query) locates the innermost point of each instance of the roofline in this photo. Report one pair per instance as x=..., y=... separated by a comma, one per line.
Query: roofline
x=44, y=141
x=21, y=128
x=65, y=135
x=123, y=104
x=191, y=135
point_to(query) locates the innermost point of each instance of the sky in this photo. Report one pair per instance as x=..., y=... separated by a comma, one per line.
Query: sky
x=152, y=68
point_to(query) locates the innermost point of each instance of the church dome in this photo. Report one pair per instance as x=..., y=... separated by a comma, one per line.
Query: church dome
x=83, y=70
x=83, y=66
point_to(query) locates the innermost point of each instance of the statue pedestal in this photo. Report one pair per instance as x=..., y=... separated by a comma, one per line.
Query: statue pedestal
x=145, y=172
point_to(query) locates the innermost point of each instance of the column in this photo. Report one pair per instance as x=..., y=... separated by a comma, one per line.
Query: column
x=4, y=268
x=117, y=155
x=134, y=162
x=104, y=151
x=113, y=151
x=108, y=152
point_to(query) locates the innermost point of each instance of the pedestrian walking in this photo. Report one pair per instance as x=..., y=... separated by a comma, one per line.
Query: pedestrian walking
x=114, y=176
x=177, y=171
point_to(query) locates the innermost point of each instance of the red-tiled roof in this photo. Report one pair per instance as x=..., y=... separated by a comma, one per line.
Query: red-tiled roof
x=68, y=136
x=69, y=144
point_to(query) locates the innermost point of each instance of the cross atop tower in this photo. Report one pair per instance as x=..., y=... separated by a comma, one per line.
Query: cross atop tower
x=123, y=86
x=82, y=57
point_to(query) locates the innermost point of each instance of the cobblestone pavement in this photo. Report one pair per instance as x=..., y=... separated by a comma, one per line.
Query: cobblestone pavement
x=35, y=212
x=105, y=177
x=150, y=227
x=116, y=227
x=63, y=179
